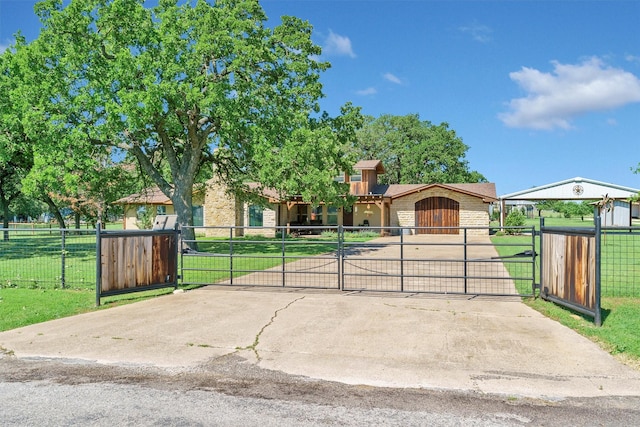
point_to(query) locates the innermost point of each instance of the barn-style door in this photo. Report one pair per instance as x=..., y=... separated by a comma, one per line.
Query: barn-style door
x=437, y=214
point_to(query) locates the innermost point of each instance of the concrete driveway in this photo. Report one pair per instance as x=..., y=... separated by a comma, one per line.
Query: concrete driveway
x=443, y=342
x=431, y=263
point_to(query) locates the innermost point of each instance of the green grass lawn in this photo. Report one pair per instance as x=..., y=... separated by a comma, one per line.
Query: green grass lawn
x=21, y=307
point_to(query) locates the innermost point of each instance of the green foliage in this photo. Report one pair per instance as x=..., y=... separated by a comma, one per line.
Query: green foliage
x=415, y=151
x=515, y=218
x=15, y=147
x=166, y=86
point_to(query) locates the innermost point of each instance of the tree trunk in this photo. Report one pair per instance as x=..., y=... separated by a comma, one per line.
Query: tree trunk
x=182, y=205
x=54, y=209
x=5, y=218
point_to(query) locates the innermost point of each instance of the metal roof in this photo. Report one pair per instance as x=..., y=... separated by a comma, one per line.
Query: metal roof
x=577, y=188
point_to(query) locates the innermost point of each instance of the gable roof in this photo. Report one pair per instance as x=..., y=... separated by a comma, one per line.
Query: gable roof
x=484, y=190
x=369, y=165
x=573, y=189
x=149, y=196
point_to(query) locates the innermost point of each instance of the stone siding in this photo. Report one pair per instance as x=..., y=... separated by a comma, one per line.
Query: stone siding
x=221, y=210
x=473, y=211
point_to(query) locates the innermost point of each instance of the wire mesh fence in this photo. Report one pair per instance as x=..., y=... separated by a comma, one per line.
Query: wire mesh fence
x=306, y=257
x=620, y=262
x=66, y=258
x=353, y=258
x=47, y=258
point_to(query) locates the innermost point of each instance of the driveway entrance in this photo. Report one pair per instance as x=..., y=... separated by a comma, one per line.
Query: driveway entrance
x=463, y=263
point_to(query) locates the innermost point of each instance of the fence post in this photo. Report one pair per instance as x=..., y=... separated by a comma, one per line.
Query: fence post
x=231, y=255
x=62, y=258
x=402, y=260
x=98, y=265
x=533, y=261
x=541, y=255
x=465, y=261
x=340, y=257
x=284, y=254
x=598, y=315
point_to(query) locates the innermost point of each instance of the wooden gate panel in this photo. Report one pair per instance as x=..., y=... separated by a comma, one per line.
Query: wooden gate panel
x=163, y=266
x=130, y=262
x=437, y=212
x=569, y=268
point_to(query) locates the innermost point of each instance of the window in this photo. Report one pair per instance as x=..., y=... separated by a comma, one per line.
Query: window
x=339, y=178
x=161, y=210
x=332, y=216
x=198, y=216
x=316, y=215
x=256, y=214
x=356, y=178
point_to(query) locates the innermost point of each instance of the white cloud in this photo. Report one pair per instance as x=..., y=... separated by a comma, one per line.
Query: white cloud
x=392, y=78
x=336, y=44
x=367, y=91
x=633, y=58
x=480, y=33
x=553, y=99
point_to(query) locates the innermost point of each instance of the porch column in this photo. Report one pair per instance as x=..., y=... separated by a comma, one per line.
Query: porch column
x=289, y=206
x=380, y=205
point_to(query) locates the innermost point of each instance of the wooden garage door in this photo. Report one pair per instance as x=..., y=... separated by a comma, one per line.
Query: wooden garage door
x=438, y=212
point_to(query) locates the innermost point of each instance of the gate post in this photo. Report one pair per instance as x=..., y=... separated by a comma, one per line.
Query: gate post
x=62, y=257
x=284, y=258
x=598, y=315
x=402, y=260
x=340, y=257
x=98, y=264
x=541, y=256
x=465, y=260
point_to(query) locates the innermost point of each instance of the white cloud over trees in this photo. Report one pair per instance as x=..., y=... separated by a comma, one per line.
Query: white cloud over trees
x=554, y=99
x=335, y=44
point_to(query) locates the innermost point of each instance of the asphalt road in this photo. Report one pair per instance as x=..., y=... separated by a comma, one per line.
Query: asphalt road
x=230, y=391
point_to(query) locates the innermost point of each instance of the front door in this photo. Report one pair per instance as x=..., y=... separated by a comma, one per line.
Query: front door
x=347, y=218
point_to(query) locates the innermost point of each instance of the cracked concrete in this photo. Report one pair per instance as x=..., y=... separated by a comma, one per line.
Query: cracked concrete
x=254, y=346
x=486, y=345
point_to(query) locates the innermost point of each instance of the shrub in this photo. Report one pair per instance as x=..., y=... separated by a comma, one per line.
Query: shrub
x=515, y=219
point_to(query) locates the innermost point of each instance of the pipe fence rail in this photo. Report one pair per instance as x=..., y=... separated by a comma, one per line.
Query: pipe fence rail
x=47, y=258
x=358, y=259
x=50, y=258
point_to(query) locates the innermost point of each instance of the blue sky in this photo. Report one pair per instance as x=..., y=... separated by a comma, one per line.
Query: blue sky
x=540, y=91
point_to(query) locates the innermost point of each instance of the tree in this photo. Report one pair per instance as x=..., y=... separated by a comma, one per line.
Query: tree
x=15, y=147
x=178, y=88
x=415, y=151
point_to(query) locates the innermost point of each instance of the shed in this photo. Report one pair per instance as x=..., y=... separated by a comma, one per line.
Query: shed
x=578, y=188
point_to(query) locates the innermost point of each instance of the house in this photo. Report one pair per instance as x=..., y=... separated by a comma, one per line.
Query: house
x=141, y=208
x=395, y=205
x=377, y=205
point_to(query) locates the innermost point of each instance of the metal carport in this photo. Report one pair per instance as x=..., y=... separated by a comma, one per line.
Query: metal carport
x=579, y=189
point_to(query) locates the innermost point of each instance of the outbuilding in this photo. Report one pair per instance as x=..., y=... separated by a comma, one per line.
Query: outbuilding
x=618, y=210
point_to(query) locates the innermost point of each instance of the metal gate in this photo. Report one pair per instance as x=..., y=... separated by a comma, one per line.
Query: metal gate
x=413, y=260
x=570, y=268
